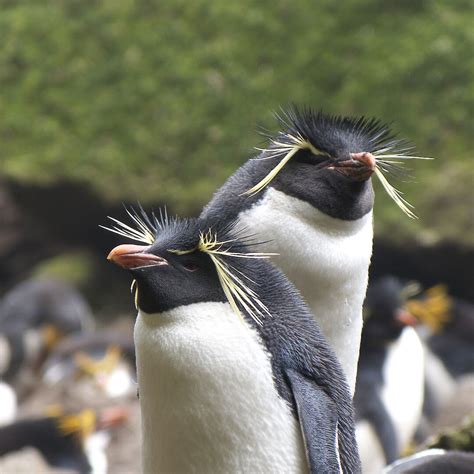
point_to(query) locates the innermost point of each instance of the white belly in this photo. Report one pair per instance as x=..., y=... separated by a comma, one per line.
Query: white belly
x=8, y=404
x=207, y=396
x=327, y=259
x=371, y=452
x=403, y=389
x=402, y=396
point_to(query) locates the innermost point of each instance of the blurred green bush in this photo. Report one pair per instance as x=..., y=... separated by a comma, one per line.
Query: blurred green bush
x=161, y=100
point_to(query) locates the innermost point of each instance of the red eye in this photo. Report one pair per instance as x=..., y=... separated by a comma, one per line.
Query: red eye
x=190, y=267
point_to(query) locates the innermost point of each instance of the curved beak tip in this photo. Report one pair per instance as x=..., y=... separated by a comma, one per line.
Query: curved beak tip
x=133, y=256
x=366, y=158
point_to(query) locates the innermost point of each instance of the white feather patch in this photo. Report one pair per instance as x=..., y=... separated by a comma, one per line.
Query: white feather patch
x=326, y=258
x=207, y=396
x=403, y=390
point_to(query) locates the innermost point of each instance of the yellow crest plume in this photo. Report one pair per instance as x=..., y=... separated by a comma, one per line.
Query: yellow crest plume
x=434, y=310
x=146, y=227
x=323, y=135
x=232, y=280
x=91, y=366
x=294, y=143
x=386, y=163
x=81, y=424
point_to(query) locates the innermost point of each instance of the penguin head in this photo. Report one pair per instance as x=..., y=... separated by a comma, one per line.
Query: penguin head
x=66, y=439
x=385, y=311
x=433, y=308
x=334, y=153
x=187, y=261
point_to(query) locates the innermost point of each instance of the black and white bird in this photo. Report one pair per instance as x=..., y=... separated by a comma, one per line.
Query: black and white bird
x=309, y=196
x=47, y=304
x=449, y=324
x=8, y=403
x=34, y=316
x=447, y=330
x=97, y=364
x=72, y=441
x=390, y=381
x=233, y=372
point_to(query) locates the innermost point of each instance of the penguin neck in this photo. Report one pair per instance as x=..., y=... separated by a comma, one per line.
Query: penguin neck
x=327, y=259
x=377, y=337
x=203, y=375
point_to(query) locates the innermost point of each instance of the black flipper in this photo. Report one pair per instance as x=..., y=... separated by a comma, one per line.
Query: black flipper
x=318, y=420
x=378, y=416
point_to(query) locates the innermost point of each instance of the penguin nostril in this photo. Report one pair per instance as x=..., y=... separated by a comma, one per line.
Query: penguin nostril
x=364, y=158
x=359, y=166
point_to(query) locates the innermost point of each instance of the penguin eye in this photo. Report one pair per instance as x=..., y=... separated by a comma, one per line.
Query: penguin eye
x=190, y=266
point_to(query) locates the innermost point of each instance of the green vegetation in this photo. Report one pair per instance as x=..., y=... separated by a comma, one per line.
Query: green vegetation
x=161, y=100
x=74, y=267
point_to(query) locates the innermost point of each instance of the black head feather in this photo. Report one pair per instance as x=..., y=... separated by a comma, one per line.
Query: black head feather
x=187, y=245
x=337, y=135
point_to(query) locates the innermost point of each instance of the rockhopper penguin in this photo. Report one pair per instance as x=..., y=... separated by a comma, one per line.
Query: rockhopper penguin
x=309, y=196
x=233, y=372
x=46, y=304
x=449, y=328
x=389, y=391
x=73, y=441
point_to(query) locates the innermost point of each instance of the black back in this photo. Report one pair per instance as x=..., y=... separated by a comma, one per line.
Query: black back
x=453, y=344
x=58, y=449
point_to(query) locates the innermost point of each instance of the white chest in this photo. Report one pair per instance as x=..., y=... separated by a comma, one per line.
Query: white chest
x=207, y=396
x=402, y=393
x=327, y=259
x=8, y=404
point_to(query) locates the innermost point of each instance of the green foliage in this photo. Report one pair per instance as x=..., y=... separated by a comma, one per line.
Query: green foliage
x=161, y=100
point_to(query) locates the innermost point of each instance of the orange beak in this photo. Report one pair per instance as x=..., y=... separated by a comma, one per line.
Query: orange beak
x=405, y=318
x=360, y=167
x=133, y=256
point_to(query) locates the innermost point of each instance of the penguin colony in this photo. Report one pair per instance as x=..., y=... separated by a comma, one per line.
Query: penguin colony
x=244, y=366
x=236, y=372
x=49, y=366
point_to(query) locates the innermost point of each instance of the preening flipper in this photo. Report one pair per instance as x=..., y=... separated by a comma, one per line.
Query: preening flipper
x=318, y=419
